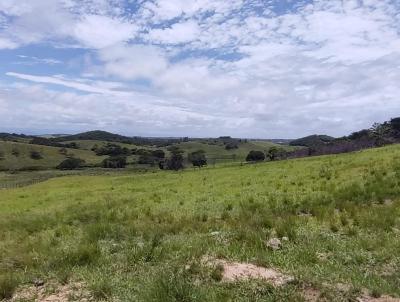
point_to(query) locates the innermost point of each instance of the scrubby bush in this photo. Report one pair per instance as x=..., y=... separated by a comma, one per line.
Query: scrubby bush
x=255, y=156
x=198, y=158
x=71, y=164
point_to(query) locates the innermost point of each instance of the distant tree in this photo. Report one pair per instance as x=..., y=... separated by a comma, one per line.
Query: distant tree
x=198, y=158
x=395, y=124
x=232, y=145
x=114, y=162
x=275, y=153
x=112, y=150
x=175, y=161
x=35, y=155
x=71, y=164
x=159, y=154
x=255, y=156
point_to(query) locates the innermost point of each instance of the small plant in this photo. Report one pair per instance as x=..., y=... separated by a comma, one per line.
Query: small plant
x=101, y=288
x=8, y=284
x=217, y=273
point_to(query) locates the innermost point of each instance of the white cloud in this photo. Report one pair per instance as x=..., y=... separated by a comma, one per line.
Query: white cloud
x=96, y=31
x=133, y=62
x=176, y=34
x=216, y=66
x=7, y=44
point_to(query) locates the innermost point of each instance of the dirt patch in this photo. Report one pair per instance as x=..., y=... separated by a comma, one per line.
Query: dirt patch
x=236, y=271
x=367, y=298
x=312, y=295
x=53, y=293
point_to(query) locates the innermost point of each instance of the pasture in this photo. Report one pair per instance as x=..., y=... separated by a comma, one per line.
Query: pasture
x=144, y=236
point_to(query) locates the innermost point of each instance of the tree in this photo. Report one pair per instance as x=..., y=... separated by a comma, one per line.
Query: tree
x=198, y=158
x=255, y=156
x=114, y=162
x=175, y=161
x=71, y=164
x=275, y=153
x=160, y=154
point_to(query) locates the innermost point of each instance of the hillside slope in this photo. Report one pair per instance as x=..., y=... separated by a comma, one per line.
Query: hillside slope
x=144, y=237
x=16, y=156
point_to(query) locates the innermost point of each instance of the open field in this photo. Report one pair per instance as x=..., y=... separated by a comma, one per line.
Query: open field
x=144, y=236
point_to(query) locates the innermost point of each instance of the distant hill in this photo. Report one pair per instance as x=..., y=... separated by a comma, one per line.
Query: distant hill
x=98, y=135
x=93, y=135
x=312, y=141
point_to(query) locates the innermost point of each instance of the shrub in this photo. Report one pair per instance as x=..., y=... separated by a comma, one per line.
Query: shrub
x=71, y=164
x=175, y=162
x=198, y=158
x=114, y=162
x=36, y=155
x=255, y=156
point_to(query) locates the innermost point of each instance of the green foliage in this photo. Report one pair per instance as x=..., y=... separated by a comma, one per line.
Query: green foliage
x=255, y=156
x=198, y=158
x=71, y=164
x=114, y=162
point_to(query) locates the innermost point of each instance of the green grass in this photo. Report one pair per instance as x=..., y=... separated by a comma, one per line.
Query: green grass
x=141, y=237
x=16, y=156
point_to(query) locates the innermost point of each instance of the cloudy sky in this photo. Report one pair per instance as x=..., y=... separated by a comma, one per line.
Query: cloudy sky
x=246, y=68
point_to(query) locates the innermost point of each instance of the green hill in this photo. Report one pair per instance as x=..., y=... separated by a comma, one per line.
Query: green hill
x=312, y=141
x=16, y=156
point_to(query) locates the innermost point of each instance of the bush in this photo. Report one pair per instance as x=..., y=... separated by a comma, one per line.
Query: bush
x=198, y=158
x=35, y=155
x=71, y=164
x=115, y=162
x=255, y=156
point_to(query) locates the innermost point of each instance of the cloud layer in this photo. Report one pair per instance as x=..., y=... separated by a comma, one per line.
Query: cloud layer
x=200, y=68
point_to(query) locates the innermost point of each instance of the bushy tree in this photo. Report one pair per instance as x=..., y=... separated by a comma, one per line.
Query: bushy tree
x=198, y=158
x=159, y=154
x=71, y=164
x=275, y=153
x=255, y=156
x=112, y=150
x=175, y=161
x=114, y=162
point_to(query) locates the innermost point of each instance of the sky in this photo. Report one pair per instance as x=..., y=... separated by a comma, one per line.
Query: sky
x=199, y=68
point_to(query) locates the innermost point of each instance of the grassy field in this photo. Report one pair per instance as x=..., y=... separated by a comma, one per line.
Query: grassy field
x=16, y=156
x=142, y=237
